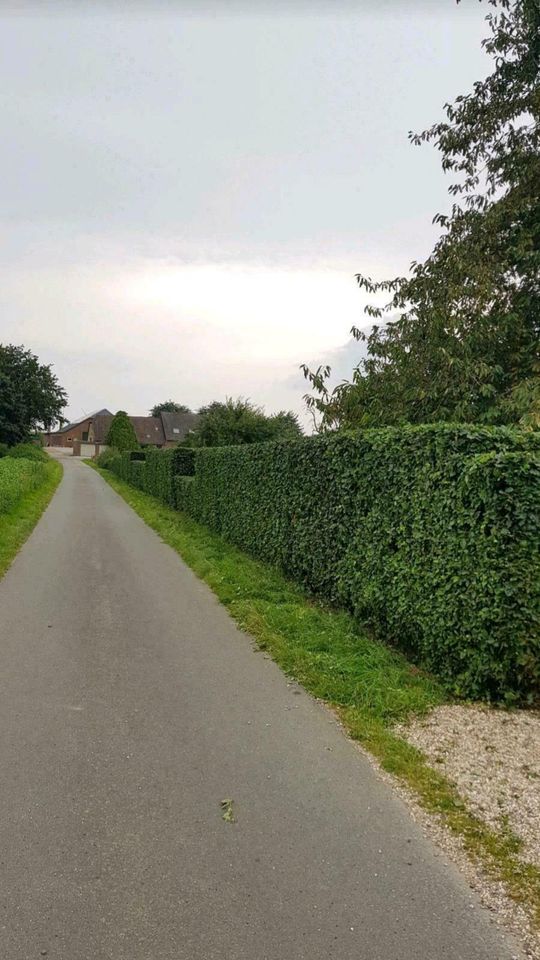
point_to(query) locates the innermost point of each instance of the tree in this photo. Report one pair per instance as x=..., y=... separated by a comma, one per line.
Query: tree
x=31, y=398
x=462, y=332
x=239, y=421
x=121, y=433
x=169, y=407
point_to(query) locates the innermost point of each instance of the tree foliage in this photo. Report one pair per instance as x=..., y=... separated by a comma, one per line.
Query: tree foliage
x=460, y=334
x=31, y=397
x=170, y=406
x=121, y=435
x=239, y=421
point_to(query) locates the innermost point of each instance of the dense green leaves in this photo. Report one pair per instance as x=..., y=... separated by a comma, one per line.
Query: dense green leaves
x=30, y=396
x=121, y=435
x=460, y=336
x=169, y=406
x=429, y=534
x=239, y=421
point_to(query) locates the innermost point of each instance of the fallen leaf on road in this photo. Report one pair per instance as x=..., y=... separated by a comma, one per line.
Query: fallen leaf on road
x=227, y=811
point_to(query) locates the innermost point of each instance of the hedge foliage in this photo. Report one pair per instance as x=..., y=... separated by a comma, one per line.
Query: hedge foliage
x=19, y=476
x=429, y=534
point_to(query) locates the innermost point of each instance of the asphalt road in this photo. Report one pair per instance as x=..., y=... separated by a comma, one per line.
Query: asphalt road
x=130, y=707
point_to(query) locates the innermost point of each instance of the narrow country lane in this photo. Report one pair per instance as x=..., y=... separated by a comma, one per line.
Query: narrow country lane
x=131, y=706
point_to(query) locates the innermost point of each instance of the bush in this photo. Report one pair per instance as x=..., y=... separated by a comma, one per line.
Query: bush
x=121, y=434
x=28, y=451
x=183, y=461
x=407, y=528
x=138, y=474
x=428, y=534
x=17, y=478
x=107, y=458
x=4, y=449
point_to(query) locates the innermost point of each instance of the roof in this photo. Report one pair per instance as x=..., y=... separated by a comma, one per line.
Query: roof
x=168, y=427
x=148, y=429
x=101, y=426
x=176, y=426
x=88, y=416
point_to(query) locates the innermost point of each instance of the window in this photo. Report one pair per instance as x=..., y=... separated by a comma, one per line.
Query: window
x=85, y=436
x=176, y=429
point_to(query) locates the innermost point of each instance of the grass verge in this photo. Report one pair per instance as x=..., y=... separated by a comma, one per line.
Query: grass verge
x=370, y=686
x=17, y=524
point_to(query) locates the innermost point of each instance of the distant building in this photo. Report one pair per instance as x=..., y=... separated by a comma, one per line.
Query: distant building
x=77, y=431
x=164, y=431
x=87, y=437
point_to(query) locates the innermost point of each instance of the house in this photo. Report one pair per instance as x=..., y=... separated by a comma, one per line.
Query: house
x=88, y=437
x=164, y=431
x=77, y=431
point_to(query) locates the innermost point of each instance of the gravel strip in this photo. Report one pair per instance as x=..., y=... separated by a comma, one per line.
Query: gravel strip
x=493, y=757
x=509, y=915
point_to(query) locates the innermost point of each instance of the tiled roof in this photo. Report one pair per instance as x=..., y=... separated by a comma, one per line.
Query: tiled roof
x=148, y=429
x=88, y=416
x=177, y=425
x=101, y=426
x=171, y=427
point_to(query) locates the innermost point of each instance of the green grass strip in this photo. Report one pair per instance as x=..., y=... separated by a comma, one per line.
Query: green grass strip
x=17, y=524
x=370, y=686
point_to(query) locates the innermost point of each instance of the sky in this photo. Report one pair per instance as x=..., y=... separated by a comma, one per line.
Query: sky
x=189, y=188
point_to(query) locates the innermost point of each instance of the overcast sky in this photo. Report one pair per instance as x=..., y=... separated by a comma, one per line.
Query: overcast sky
x=187, y=189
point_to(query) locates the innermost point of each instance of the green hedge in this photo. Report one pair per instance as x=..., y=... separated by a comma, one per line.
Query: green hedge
x=429, y=534
x=19, y=476
x=150, y=470
x=183, y=461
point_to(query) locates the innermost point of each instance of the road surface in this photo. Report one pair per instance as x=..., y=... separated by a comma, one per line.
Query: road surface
x=130, y=707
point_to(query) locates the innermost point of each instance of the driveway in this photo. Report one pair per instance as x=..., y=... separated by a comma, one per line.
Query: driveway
x=130, y=707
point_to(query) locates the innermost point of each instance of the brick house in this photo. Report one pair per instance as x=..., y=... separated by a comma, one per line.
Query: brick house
x=163, y=431
x=88, y=436
x=76, y=432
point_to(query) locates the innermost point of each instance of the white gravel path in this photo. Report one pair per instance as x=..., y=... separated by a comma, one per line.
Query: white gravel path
x=493, y=757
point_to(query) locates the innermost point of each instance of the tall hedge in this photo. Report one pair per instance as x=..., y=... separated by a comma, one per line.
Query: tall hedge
x=429, y=534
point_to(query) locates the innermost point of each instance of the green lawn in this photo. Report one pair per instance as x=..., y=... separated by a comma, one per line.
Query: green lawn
x=370, y=686
x=17, y=524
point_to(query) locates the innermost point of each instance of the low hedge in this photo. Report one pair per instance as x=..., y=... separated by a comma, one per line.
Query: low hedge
x=428, y=534
x=19, y=476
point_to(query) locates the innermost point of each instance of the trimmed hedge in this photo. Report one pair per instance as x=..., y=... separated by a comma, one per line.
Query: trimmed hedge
x=429, y=534
x=183, y=461
x=19, y=476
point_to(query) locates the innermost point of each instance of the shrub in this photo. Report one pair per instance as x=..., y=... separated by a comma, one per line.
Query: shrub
x=137, y=474
x=18, y=476
x=183, y=461
x=28, y=451
x=408, y=528
x=121, y=434
x=107, y=458
x=159, y=475
x=428, y=534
